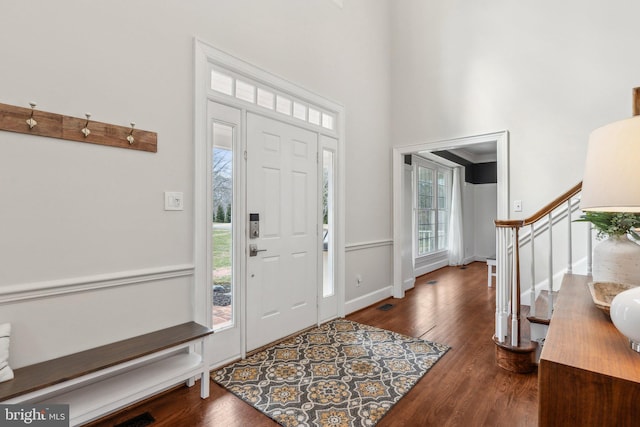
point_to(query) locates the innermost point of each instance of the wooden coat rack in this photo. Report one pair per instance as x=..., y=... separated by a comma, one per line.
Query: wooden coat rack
x=42, y=123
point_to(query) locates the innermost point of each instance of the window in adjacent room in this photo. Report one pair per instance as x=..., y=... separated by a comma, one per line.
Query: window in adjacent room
x=432, y=199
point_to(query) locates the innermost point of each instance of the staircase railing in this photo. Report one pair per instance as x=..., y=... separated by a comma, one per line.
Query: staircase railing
x=510, y=238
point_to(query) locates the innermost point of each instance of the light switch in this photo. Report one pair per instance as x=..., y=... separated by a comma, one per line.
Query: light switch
x=173, y=201
x=517, y=205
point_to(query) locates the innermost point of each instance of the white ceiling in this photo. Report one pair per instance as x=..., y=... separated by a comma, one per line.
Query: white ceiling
x=478, y=153
x=482, y=152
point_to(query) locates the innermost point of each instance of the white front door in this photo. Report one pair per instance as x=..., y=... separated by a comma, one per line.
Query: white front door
x=282, y=189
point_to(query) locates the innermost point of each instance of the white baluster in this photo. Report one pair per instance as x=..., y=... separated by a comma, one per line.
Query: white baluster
x=498, y=329
x=569, y=257
x=501, y=284
x=550, y=264
x=532, y=311
x=508, y=267
x=515, y=293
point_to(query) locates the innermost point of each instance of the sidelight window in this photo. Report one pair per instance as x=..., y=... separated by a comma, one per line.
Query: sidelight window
x=221, y=225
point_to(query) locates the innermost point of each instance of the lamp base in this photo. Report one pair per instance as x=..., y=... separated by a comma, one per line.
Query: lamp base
x=625, y=314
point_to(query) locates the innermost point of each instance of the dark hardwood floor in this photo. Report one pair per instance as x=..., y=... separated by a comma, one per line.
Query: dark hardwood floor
x=465, y=387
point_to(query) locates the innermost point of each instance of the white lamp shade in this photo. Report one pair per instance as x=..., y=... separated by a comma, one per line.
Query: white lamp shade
x=611, y=180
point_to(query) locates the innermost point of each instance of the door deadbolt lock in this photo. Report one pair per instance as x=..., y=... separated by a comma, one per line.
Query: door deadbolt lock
x=254, y=225
x=253, y=250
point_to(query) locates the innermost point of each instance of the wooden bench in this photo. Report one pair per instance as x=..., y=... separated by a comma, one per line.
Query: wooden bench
x=101, y=380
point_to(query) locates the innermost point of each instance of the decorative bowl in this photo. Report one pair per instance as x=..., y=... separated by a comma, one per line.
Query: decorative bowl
x=603, y=293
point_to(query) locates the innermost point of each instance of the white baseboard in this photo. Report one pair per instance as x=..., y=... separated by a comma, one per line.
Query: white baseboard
x=468, y=260
x=227, y=361
x=408, y=284
x=474, y=258
x=430, y=267
x=368, y=299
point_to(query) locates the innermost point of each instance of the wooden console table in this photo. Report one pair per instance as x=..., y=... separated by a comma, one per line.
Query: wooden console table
x=588, y=375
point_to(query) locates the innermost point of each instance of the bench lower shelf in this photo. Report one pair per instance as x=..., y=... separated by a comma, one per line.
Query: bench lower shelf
x=102, y=380
x=99, y=398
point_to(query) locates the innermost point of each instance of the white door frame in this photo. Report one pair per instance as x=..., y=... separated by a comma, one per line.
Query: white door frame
x=207, y=56
x=502, y=147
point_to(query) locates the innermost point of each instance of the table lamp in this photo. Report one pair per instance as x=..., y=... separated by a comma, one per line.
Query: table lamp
x=612, y=184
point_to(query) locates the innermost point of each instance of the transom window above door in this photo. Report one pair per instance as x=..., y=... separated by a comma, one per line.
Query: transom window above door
x=244, y=89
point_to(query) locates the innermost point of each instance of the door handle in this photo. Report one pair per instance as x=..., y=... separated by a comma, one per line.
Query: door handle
x=253, y=250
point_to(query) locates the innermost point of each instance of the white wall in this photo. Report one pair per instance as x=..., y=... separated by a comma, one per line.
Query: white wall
x=468, y=220
x=548, y=72
x=74, y=213
x=486, y=202
x=408, y=263
x=479, y=207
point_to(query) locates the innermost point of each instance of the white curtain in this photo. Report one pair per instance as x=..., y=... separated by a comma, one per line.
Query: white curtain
x=456, y=236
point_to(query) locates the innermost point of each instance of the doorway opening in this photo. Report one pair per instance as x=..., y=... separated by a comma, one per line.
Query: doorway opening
x=230, y=95
x=406, y=265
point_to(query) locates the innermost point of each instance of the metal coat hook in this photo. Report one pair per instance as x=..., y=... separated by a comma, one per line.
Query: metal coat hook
x=85, y=130
x=31, y=121
x=130, y=138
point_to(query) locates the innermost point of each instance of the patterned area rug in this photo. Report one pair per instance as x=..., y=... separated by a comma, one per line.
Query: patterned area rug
x=340, y=374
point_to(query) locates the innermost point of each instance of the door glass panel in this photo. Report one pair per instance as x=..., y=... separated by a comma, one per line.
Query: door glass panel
x=327, y=121
x=314, y=116
x=265, y=98
x=245, y=91
x=221, y=82
x=283, y=105
x=299, y=111
x=328, y=178
x=221, y=230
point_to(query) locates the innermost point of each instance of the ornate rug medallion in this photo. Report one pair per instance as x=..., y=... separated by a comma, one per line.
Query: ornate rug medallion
x=340, y=374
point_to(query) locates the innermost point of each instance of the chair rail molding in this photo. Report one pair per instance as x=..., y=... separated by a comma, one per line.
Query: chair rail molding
x=350, y=247
x=27, y=291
